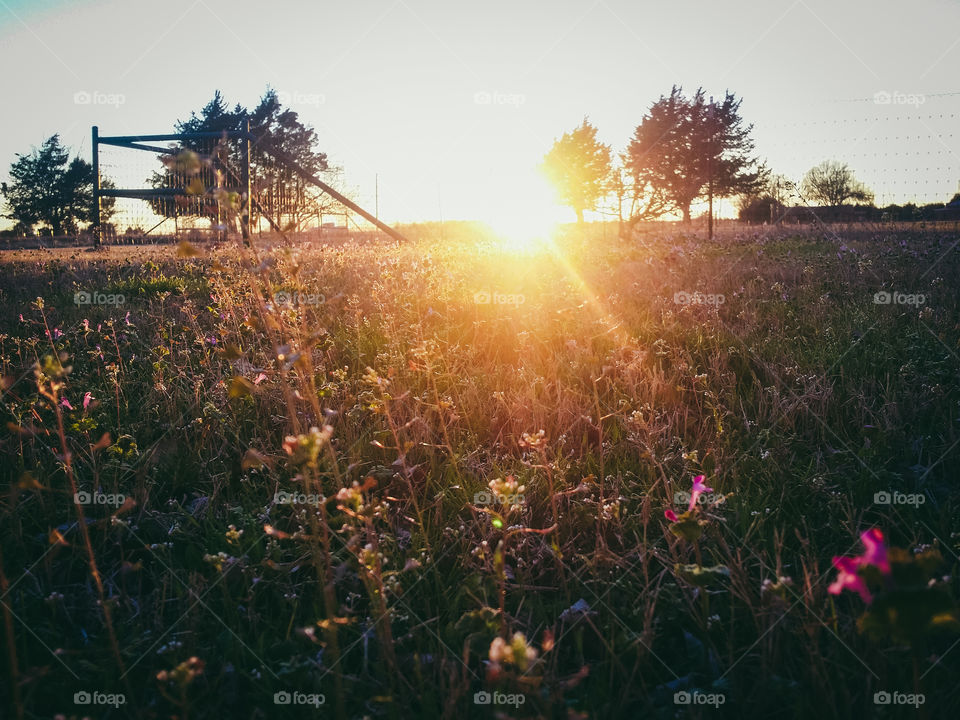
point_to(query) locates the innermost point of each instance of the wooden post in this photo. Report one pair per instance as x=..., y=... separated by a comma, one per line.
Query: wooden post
x=95, y=204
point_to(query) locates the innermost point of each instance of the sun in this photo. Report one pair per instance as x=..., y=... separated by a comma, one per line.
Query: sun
x=525, y=216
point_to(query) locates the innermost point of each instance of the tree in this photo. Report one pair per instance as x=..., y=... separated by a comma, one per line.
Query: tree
x=833, y=183
x=49, y=188
x=283, y=194
x=686, y=148
x=578, y=166
x=636, y=199
x=201, y=165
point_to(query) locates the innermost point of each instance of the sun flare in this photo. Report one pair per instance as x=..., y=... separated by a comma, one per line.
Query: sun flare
x=527, y=218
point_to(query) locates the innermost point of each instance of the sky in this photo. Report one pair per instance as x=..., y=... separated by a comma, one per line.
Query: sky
x=448, y=106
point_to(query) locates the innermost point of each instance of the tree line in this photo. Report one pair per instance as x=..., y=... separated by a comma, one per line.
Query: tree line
x=688, y=149
x=50, y=190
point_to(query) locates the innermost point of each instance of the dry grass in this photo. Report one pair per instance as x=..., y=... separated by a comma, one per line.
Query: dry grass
x=798, y=397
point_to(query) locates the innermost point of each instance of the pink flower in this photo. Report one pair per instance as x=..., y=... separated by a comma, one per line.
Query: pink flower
x=698, y=489
x=66, y=403
x=126, y=318
x=848, y=578
x=57, y=334
x=87, y=397
x=260, y=378
x=876, y=552
x=670, y=515
x=86, y=325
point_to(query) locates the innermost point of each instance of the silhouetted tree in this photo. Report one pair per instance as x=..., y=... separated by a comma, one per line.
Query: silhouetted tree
x=282, y=193
x=833, y=183
x=578, y=166
x=686, y=147
x=217, y=163
x=49, y=188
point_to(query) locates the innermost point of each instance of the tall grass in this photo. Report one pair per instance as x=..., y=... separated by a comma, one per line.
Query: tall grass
x=430, y=378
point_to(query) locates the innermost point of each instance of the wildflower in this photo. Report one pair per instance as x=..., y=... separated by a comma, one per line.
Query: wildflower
x=533, y=441
x=57, y=334
x=698, y=489
x=305, y=448
x=507, y=492
x=233, y=535
x=876, y=552
x=87, y=397
x=66, y=403
x=517, y=652
x=126, y=319
x=184, y=673
x=848, y=576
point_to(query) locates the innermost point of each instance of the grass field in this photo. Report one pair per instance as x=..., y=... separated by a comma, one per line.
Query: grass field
x=431, y=471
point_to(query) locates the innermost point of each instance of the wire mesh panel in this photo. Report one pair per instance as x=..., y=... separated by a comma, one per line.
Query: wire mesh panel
x=170, y=185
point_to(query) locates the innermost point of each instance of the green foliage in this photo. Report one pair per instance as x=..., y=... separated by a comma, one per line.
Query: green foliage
x=48, y=188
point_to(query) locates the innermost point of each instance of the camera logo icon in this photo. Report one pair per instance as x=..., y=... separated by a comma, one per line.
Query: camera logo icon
x=82, y=98
x=282, y=698
x=882, y=298
x=881, y=698
x=881, y=498
x=882, y=97
x=82, y=698
x=82, y=297
x=482, y=297
x=482, y=698
x=483, y=498
x=282, y=298
x=682, y=697
x=82, y=498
